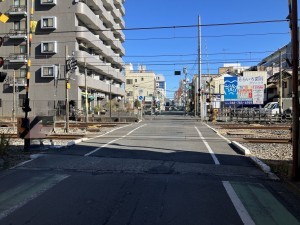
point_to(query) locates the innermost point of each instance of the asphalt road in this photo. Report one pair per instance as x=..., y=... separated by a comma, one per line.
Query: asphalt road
x=166, y=170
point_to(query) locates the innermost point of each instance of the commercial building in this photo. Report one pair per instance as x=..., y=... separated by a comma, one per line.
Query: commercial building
x=139, y=82
x=90, y=31
x=143, y=83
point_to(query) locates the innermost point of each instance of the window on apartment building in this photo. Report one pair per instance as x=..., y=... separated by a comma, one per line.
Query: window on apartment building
x=142, y=79
x=0, y=102
x=48, y=22
x=22, y=72
x=16, y=3
x=44, y=2
x=135, y=80
x=129, y=93
x=48, y=71
x=22, y=99
x=22, y=49
x=49, y=47
x=17, y=25
x=129, y=81
x=284, y=84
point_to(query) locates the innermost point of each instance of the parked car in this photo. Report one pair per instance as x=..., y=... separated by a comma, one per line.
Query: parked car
x=272, y=108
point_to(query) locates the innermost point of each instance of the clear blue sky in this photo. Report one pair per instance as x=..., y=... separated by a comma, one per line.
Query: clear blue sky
x=146, y=47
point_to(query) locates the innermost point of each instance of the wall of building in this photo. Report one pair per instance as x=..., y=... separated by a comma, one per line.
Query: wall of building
x=75, y=24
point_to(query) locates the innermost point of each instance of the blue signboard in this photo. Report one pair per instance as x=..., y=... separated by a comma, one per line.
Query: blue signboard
x=230, y=89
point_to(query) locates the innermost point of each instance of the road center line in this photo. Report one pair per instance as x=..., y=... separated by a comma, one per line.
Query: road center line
x=208, y=147
x=108, y=143
x=240, y=208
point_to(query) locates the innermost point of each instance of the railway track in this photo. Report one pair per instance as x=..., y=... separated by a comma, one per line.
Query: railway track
x=259, y=127
x=73, y=125
x=268, y=140
x=52, y=136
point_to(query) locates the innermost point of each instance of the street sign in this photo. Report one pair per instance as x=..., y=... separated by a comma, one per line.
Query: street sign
x=141, y=98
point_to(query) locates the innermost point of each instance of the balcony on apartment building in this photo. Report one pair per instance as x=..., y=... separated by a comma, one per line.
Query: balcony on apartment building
x=19, y=81
x=19, y=10
x=120, y=6
x=90, y=40
x=107, y=17
x=94, y=62
x=17, y=58
x=98, y=85
x=92, y=21
x=17, y=34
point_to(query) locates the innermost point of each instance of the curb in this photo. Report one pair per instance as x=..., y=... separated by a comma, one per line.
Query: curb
x=245, y=151
x=241, y=148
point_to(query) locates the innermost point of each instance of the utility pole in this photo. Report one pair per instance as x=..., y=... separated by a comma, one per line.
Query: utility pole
x=185, y=91
x=67, y=90
x=280, y=83
x=14, y=98
x=26, y=108
x=199, y=106
x=86, y=94
x=110, y=83
x=295, y=97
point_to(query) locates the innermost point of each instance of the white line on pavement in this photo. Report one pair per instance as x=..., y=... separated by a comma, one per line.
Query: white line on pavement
x=240, y=208
x=208, y=147
x=228, y=141
x=103, y=146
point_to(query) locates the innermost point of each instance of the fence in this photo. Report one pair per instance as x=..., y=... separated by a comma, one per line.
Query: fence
x=58, y=109
x=250, y=115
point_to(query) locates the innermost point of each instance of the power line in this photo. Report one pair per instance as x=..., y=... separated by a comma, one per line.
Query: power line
x=206, y=36
x=171, y=27
x=44, y=56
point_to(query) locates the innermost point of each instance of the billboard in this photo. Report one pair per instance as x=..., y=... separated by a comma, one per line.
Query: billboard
x=244, y=90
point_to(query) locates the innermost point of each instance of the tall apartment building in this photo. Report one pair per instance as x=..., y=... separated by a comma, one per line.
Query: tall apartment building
x=92, y=32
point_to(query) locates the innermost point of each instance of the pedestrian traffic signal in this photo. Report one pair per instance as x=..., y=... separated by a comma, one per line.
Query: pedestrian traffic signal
x=1, y=62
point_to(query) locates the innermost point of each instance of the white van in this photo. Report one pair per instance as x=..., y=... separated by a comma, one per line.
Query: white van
x=272, y=108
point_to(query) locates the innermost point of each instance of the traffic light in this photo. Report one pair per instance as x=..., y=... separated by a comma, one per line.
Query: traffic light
x=1, y=61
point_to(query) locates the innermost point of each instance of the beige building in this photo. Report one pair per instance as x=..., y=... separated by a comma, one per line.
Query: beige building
x=138, y=83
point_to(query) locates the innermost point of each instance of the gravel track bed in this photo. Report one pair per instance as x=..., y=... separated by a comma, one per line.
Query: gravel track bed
x=266, y=151
x=16, y=154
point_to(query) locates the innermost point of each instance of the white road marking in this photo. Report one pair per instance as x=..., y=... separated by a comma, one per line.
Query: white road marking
x=240, y=208
x=208, y=147
x=103, y=146
x=16, y=197
x=110, y=131
x=226, y=139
